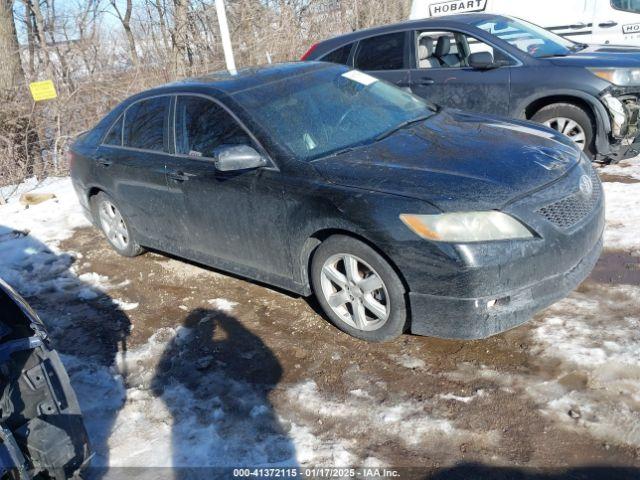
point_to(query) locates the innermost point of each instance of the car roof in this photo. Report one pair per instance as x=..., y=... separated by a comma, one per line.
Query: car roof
x=435, y=22
x=223, y=82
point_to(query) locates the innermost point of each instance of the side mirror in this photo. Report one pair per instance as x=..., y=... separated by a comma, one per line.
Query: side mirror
x=481, y=61
x=238, y=157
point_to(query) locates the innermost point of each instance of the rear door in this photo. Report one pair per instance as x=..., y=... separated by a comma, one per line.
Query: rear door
x=447, y=79
x=237, y=217
x=617, y=22
x=385, y=56
x=132, y=159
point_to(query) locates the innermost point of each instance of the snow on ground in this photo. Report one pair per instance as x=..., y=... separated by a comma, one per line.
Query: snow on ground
x=29, y=239
x=597, y=341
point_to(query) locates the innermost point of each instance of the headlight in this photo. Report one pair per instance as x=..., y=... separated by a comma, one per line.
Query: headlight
x=623, y=77
x=466, y=227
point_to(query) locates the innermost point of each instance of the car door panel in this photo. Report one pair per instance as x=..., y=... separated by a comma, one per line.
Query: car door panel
x=229, y=216
x=464, y=88
x=137, y=181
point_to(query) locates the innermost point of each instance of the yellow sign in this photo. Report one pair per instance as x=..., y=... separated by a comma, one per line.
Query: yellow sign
x=44, y=90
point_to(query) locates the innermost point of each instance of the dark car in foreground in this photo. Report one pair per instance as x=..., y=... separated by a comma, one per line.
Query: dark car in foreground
x=505, y=66
x=42, y=433
x=316, y=178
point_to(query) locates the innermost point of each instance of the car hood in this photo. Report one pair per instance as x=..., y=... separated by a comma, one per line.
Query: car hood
x=456, y=161
x=601, y=56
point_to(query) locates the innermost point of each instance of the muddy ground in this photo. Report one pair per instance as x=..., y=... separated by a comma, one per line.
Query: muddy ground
x=466, y=406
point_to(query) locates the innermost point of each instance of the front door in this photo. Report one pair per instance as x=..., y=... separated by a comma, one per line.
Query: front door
x=227, y=217
x=442, y=74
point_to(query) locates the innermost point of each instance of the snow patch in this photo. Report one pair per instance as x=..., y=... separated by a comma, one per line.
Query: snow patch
x=596, y=337
x=411, y=422
x=409, y=362
x=223, y=304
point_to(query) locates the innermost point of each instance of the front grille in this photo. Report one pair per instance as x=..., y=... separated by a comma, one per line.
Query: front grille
x=569, y=211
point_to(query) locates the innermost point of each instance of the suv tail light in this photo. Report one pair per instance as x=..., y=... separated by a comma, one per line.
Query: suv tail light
x=309, y=52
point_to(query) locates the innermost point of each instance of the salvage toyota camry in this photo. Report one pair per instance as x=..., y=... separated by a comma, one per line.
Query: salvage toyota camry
x=315, y=178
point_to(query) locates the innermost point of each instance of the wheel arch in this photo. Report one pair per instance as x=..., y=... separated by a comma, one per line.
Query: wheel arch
x=528, y=106
x=316, y=238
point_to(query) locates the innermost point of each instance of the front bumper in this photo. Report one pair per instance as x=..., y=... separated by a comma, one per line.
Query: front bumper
x=474, y=318
x=623, y=108
x=477, y=290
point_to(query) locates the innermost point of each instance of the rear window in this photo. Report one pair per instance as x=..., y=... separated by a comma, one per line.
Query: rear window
x=145, y=125
x=384, y=52
x=114, y=137
x=340, y=55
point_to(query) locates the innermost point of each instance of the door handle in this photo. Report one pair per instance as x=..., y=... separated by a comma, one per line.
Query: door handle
x=608, y=24
x=425, y=81
x=179, y=176
x=104, y=162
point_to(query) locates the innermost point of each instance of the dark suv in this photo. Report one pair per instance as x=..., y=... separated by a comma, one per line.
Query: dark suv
x=505, y=66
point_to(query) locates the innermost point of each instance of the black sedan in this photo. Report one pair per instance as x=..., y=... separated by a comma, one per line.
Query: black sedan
x=501, y=65
x=320, y=179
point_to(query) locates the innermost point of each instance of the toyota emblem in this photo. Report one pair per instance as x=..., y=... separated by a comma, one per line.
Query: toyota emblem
x=586, y=186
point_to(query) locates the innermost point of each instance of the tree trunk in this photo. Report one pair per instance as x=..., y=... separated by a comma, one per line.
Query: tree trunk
x=11, y=73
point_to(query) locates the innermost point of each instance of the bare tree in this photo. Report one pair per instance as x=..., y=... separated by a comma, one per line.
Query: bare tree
x=125, y=19
x=11, y=72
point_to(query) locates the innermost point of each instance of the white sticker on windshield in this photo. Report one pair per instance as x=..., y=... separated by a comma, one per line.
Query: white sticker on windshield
x=360, y=77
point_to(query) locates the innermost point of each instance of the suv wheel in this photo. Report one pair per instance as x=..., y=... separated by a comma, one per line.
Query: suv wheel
x=571, y=121
x=114, y=225
x=358, y=290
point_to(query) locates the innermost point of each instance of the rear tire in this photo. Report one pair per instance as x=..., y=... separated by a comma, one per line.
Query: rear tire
x=572, y=121
x=358, y=290
x=114, y=225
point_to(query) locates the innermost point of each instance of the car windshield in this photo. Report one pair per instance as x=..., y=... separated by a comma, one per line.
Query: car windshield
x=529, y=38
x=325, y=111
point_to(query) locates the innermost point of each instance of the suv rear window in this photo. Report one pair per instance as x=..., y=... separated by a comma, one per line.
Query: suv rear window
x=340, y=55
x=384, y=52
x=145, y=124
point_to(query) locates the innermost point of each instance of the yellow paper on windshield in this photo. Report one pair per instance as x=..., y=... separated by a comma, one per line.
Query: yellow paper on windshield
x=44, y=90
x=360, y=77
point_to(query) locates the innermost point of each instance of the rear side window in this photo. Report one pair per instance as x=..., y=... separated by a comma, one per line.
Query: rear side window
x=114, y=137
x=145, y=124
x=202, y=126
x=632, y=6
x=384, y=52
x=340, y=55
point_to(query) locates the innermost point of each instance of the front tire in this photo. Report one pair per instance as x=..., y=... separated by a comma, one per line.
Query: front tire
x=358, y=290
x=572, y=121
x=114, y=225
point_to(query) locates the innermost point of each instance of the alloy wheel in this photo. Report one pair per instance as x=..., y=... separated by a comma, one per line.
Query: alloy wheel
x=113, y=225
x=355, y=292
x=570, y=128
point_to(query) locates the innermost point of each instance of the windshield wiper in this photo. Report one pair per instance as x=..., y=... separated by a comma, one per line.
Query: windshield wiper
x=400, y=126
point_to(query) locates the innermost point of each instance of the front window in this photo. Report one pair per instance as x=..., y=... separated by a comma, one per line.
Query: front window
x=534, y=40
x=202, y=126
x=324, y=111
x=632, y=6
